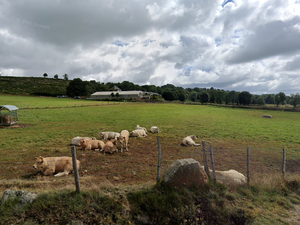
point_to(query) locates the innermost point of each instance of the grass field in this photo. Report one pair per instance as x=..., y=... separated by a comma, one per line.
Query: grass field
x=45, y=129
x=48, y=132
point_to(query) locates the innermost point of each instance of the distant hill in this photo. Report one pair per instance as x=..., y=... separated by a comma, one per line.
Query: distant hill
x=33, y=86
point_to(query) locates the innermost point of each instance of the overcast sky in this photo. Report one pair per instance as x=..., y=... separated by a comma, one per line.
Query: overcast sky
x=241, y=45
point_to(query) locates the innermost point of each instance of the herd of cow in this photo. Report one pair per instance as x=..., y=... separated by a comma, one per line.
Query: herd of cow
x=59, y=166
x=115, y=141
x=110, y=142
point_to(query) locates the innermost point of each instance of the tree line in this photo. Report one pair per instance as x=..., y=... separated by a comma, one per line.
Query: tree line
x=169, y=92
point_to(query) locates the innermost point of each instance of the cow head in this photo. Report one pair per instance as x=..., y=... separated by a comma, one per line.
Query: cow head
x=38, y=162
x=101, y=135
x=194, y=137
x=82, y=142
x=121, y=139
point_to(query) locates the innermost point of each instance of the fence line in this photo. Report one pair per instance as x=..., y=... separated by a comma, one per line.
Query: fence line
x=154, y=162
x=72, y=106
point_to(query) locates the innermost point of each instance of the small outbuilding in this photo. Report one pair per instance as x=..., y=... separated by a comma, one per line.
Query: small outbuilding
x=8, y=115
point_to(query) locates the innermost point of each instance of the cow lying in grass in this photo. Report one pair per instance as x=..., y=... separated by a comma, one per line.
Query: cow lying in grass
x=190, y=141
x=59, y=166
x=138, y=127
x=76, y=140
x=110, y=146
x=229, y=177
x=154, y=129
x=108, y=135
x=138, y=133
x=91, y=144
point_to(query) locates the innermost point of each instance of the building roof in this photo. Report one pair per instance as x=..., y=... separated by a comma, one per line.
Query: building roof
x=9, y=107
x=115, y=92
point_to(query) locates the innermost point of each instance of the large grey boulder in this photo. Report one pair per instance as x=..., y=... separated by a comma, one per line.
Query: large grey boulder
x=23, y=196
x=185, y=173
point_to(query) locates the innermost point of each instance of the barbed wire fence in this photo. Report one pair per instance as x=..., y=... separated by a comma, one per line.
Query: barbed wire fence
x=207, y=157
x=148, y=163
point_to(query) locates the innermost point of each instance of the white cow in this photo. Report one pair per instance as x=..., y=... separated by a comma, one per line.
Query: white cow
x=108, y=135
x=59, y=166
x=154, y=129
x=123, y=139
x=138, y=127
x=189, y=141
x=76, y=140
x=230, y=177
x=138, y=133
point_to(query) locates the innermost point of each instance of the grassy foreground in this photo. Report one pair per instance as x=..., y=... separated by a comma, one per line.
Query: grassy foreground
x=48, y=132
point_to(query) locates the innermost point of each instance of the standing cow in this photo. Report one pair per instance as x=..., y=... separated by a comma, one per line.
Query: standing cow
x=123, y=139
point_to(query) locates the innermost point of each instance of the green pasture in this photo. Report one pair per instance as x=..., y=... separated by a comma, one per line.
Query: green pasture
x=51, y=129
x=54, y=127
x=45, y=129
x=175, y=120
x=25, y=102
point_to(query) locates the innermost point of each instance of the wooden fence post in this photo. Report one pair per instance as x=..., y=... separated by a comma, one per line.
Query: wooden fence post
x=284, y=163
x=212, y=163
x=204, y=159
x=75, y=168
x=248, y=165
x=159, y=160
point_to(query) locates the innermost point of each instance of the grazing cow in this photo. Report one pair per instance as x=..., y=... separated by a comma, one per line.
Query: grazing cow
x=110, y=146
x=59, y=165
x=123, y=139
x=154, y=129
x=91, y=144
x=189, y=141
x=138, y=133
x=141, y=128
x=108, y=135
x=76, y=140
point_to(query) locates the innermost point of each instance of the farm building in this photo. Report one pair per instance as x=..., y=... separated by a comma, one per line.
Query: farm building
x=8, y=115
x=121, y=94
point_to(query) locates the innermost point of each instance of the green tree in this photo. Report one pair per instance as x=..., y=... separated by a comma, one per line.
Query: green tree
x=168, y=95
x=76, y=88
x=112, y=95
x=295, y=100
x=220, y=96
x=204, y=97
x=269, y=98
x=66, y=76
x=258, y=100
x=232, y=97
x=55, y=76
x=193, y=96
x=280, y=98
x=117, y=95
x=45, y=75
x=245, y=98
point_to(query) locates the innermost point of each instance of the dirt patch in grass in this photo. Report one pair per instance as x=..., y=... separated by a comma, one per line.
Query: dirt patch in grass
x=136, y=167
x=16, y=126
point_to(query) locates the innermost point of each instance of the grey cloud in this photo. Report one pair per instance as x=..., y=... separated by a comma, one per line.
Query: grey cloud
x=271, y=39
x=69, y=23
x=195, y=41
x=293, y=65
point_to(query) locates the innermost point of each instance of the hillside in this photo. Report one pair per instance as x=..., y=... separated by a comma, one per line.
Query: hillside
x=33, y=86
